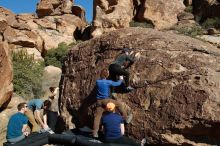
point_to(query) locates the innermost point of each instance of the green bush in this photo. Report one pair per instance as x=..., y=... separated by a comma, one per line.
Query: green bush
x=189, y=9
x=56, y=56
x=190, y=31
x=211, y=23
x=140, y=24
x=27, y=75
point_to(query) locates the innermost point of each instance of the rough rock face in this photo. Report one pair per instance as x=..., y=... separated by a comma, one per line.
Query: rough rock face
x=206, y=8
x=6, y=86
x=111, y=15
x=38, y=35
x=79, y=11
x=182, y=96
x=162, y=14
x=187, y=2
x=54, y=7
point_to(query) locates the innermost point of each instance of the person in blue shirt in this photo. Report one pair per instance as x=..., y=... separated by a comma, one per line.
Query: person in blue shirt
x=103, y=93
x=119, y=66
x=113, y=127
x=34, y=116
x=17, y=125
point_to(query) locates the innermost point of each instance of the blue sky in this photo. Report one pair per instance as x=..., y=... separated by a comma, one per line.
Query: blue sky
x=29, y=6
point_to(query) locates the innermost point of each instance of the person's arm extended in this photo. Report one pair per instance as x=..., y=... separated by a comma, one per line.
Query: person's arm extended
x=122, y=128
x=37, y=116
x=118, y=83
x=45, y=118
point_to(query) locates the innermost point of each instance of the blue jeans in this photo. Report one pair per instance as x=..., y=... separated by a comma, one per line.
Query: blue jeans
x=16, y=139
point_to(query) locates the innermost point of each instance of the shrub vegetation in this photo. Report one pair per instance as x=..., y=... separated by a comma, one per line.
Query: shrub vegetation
x=56, y=56
x=192, y=31
x=211, y=23
x=28, y=72
x=27, y=75
x=189, y=9
x=140, y=24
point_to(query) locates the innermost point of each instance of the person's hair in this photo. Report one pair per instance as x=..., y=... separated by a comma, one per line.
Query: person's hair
x=52, y=89
x=104, y=74
x=47, y=104
x=124, y=50
x=21, y=105
x=110, y=107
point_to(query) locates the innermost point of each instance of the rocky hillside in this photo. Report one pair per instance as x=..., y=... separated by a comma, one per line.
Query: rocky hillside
x=111, y=15
x=180, y=102
x=55, y=22
x=182, y=97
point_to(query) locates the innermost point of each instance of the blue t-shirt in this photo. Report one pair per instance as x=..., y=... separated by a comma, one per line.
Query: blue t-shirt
x=103, y=87
x=15, y=125
x=112, y=125
x=35, y=104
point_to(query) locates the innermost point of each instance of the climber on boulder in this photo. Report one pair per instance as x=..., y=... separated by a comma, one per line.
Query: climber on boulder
x=103, y=93
x=119, y=66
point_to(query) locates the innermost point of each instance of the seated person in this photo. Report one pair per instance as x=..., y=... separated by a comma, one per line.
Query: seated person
x=113, y=127
x=34, y=116
x=17, y=125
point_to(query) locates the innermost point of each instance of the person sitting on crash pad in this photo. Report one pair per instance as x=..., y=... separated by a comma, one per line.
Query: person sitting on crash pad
x=113, y=127
x=103, y=97
x=17, y=128
x=119, y=66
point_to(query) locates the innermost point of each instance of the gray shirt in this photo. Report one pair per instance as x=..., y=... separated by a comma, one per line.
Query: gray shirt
x=121, y=59
x=54, y=103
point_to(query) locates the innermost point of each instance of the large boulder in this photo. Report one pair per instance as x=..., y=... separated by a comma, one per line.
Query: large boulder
x=46, y=8
x=79, y=11
x=3, y=24
x=204, y=9
x=23, y=38
x=54, y=7
x=182, y=95
x=111, y=15
x=6, y=86
x=57, y=29
x=9, y=16
x=162, y=14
